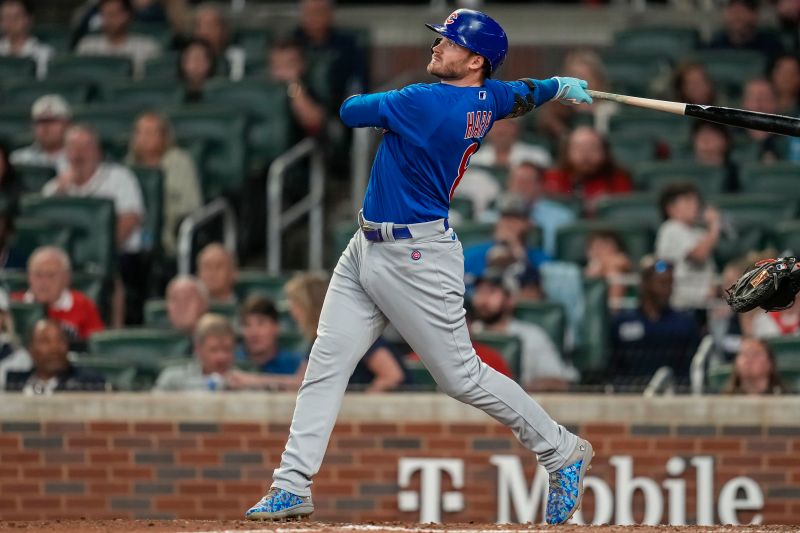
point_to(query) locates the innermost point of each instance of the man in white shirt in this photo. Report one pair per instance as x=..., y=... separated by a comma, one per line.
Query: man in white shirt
x=50, y=114
x=116, y=39
x=16, y=18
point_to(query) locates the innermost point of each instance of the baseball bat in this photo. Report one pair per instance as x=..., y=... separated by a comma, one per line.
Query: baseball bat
x=729, y=116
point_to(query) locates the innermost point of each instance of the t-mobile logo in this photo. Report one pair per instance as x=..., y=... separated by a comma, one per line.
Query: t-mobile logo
x=430, y=501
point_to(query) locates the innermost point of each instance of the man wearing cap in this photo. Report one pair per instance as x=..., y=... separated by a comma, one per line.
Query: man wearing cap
x=51, y=115
x=16, y=17
x=542, y=367
x=512, y=230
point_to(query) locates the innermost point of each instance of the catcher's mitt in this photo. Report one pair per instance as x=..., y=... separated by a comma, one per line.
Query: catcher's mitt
x=771, y=285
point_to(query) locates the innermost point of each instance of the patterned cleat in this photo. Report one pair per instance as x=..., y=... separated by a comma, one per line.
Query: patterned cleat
x=566, y=485
x=279, y=504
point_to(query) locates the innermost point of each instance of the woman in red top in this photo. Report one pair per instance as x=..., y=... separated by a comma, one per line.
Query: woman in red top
x=586, y=169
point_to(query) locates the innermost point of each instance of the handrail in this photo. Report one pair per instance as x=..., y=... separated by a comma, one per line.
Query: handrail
x=697, y=370
x=200, y=217
x=663, y=381
x=278, y=220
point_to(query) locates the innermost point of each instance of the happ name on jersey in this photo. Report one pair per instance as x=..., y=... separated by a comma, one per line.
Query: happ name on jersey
x=477, y=123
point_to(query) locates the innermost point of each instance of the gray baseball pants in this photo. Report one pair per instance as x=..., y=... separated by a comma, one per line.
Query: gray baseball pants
x=418, y=285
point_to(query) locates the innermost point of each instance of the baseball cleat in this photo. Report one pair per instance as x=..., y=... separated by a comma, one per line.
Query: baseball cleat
x=279, y=504
x=566, y=485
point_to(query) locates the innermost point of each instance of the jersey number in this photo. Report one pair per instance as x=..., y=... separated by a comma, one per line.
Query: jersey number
x=462, y=167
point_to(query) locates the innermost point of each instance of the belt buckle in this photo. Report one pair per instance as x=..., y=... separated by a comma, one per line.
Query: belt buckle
x=365, y=228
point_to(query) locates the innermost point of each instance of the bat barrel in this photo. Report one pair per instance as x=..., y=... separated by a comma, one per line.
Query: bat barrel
x=779, y=124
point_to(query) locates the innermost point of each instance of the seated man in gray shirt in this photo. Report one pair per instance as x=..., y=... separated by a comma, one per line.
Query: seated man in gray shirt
x=51, y=116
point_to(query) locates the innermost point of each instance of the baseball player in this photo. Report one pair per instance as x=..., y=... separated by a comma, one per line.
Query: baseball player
x=405, y=264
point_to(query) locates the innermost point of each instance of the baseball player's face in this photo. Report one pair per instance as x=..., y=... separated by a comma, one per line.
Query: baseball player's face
x=448, y=60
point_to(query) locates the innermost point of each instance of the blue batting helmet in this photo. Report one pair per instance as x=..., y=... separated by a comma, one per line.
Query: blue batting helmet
x=477, y=32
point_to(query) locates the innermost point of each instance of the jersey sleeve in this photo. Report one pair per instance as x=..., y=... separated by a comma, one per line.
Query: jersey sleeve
x=515, y=98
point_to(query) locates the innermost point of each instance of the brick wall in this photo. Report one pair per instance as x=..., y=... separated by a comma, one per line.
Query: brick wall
x=198, y=468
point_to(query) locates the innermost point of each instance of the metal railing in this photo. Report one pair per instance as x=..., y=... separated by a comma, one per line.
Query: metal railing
x=312, y=204
x=216, y=208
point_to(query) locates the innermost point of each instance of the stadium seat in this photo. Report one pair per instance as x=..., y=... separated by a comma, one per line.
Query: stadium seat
x=267, y=106
x=718, y=376
x=339, y=239
x=498, y=173
x=549, y=316
x=13, y=280
x=251, y=282
x=787, y=350
x=143, y=94
x=571, y=239
x=96, y=69
x=139, y=344
x=96, y=288
x=470, y=233
x=731, y=69
x=163, y=67
x=112, y=121
x=633, y=72
x=160, y=31
x=123, y=375
x=635, y=208
x=758, y=210
x=737, y=243
x=226, y=309
x=25, y=316
x=33, y=177
x=24, y=92
x=423, y=381
x=647, y=124
x=463, y=207
x=155, y=314
x=630, y=149
x=786, y=237
x=17, y=67
x=151, y=181
x=591, y=353
x=670, y=42
x=509, y=346
x=654, y=176
x=15, y=125
x=780, y=177
x=294, y=341
x=59, y=36
x=93, y=223
x=224, y=129
x=31, y=233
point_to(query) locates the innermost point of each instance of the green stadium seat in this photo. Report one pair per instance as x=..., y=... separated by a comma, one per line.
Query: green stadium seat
x=111, y=121
x=31, y=233
x=635, y=208
x=254, y=41
x=121, y=374
x=17, y=67
x=145, y=94
x=33, y=177
x=250, y=282
x=139, y=343
x=591, y=353
x=670, y=42
x=97, y=69
x=59, y=36
x=164, y=67
x=155, y=314
x=15, y=125
x=423, y=381
x=24, y=92
x=293, y=341
x=224, y=129
x=550, y=316
x=160, y=31
x=14, y=280
x=754, y=210
x=509, y=346
x=786, y=349
x=96, y=287
x=654, y=176
x=571, y=239
x=786, y=237
x=731, y=69
x=340, y=238
x=780, y=178
x=631, y=149
x=93, y=223
x=226, y=309
x=470, y=233
x=732, y=246
x=463, y=206
x=151, y=181
x=498, y=173
x=267, y=106
x=648, y=125
x=633, y=72
x=25, y=316
x=719, y=376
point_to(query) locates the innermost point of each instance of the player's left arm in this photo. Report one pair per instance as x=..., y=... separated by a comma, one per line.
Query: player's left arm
x=362, y=110
x=522, y=96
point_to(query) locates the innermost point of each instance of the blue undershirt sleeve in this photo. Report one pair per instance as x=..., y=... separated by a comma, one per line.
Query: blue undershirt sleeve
x=522, y=96
x=362, y=110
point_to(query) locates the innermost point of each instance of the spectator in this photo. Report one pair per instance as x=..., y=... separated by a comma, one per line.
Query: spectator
x=689, y=248
x=49, y=275
x=10, y=257
x=607, y=259
x=526, y=276
x=740, y=30
x=754, y=370
x=52, y=370
x=211, y=26
x=759, y=95
x=785, y=77
x=503, y=148
x=692, y=84
x=187, y=301
x=153, y=145
x=196, y=65
x=116, y=39
x=788, y=12
x=711, y=146
x=652, y=335
x=348, y=71
x=150, y=11
x=512, y=230
x=542, y=366
x=287, y=65
x=783, y=323
x=261, y=329
x=9, y=184
x=587, y=169
x=216, y=268
x=51, y=115
x=13, y=357
x=16, y=19
x=214, y=344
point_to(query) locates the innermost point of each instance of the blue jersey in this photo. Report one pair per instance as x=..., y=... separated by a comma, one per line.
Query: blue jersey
x=432, y=130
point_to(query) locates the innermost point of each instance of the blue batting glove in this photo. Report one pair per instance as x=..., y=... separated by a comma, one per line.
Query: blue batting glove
x=571, y=91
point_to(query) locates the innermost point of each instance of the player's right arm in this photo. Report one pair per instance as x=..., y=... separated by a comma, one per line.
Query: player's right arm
x=522, y=96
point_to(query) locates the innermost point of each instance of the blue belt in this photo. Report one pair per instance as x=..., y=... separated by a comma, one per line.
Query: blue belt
x=398, y=232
